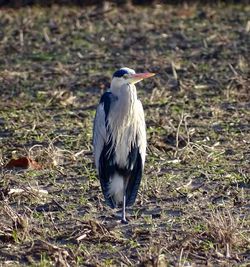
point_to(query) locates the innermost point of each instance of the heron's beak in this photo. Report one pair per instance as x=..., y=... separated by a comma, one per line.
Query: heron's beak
x=135, y=78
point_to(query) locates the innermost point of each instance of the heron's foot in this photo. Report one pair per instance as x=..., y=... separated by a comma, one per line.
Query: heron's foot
x=124, y=221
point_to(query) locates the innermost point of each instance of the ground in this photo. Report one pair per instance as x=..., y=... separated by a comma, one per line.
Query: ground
x=193, y=205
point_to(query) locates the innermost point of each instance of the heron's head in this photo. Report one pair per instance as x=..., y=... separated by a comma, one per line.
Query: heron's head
x=128, y=76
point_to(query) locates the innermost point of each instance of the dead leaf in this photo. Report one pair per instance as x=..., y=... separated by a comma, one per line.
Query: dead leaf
x=24, y=163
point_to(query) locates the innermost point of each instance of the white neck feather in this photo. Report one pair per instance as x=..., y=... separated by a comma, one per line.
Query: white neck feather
x=122, y=122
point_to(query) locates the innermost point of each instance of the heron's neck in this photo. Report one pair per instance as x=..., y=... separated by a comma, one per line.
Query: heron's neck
x=127, y=97
x=123, y=122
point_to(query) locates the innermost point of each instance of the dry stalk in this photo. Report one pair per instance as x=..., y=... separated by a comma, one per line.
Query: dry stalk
x=177, y=135
x=225, y=230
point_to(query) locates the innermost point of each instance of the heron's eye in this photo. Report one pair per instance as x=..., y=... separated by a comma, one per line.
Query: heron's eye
x=125, y=76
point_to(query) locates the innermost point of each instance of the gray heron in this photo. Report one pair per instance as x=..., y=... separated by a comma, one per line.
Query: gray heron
x=119, y=140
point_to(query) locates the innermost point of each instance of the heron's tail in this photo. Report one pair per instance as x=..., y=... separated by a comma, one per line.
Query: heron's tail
x=116, y=188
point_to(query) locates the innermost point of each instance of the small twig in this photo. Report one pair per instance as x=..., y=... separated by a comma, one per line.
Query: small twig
x=180, y=258
x=186, y=129
x=125, y=259
x=177, y=135
x=174, y=71
x=233, y=69
x=98, y=13
x=21, y=38
x=46, y=36
x=59, y=205
x=53, y=222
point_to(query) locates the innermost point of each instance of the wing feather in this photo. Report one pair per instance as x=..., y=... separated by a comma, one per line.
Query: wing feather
x=134, y=178
x=99, y=133
x=102, y=146
x=137, y=157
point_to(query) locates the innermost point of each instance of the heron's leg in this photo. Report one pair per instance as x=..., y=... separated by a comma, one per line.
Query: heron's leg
x=124, y=209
